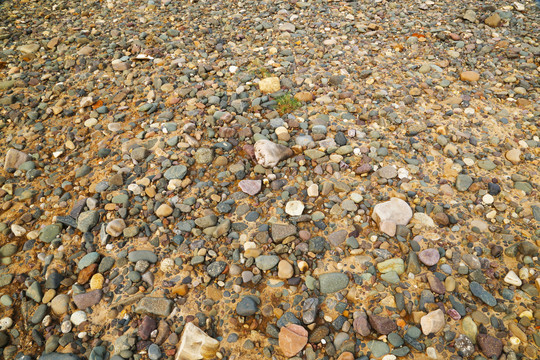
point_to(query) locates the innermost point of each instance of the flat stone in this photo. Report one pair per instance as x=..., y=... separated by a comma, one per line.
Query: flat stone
x=429, y=257
x=250, y=187
x=216, y=268
x=469, y=76
x=115, y=228
x=490, y=345
x=292, y=339
x=88, y=259
x=333, y=282
x=282, y=231
x=266, y=262
x=513, y=279
x=395, y=264
x=88, y=299
x=49, y=233
x=175, y=172
x=337, y=237
x=145, y=255
x=463, y=182
x=164, y=210
x=154, y=305
x=59, y=356
x=478, y=291
x=493, y=20
x=195, y=344
x=378, y=348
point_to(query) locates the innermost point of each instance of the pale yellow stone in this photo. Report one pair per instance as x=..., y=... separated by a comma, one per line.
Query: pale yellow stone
x=96, y=282
x=269, y=85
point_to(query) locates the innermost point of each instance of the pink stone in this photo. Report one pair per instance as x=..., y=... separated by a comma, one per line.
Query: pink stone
x=429, y=257
x=292, y=339
x=250, y=187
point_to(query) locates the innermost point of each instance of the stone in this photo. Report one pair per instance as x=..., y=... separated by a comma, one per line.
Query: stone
x=395, y=264
x=216, y=268
x=463, y=182
x=378, y=348
x=87, y=220
x=59, y=356
x=391, y=213
x=387, y=172
x=478, y=291
x=514, y=156
x=88, y=299
x=195, y=344
x=34, y=292
x=164, y=210
x=493, y=20
x=464, y=346
x=60, y=304
x=204, y=156
x=282, y=231
x=333, y=282
x=78, y=317
x=28, y=48
x=429, y=257
x=269, y=85
x=285, y=270
x=247, y=307
x=148, y=324
x=14, y=159
x=433, y=322
x=294, y=208
x=158, y=306
x=116, y=227
x=382, y=325
x=266, y=262
x=469, y=76
x=309, y=311
x=250, y=187
x=490, y=345
x=269, y=154
x=469, y=327
x=337, y=237
x=146, y=255
x=470, y=15
x=292, y=339
x=513, y=279
x=175, y=172
x=361, y=325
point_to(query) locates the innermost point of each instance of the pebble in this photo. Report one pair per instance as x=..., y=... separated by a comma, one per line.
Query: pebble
x=292, y=339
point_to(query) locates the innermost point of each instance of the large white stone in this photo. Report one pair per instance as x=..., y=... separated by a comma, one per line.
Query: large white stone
x=294, y=208
x=512, y=278
x=433, y=322
x=196, y=345
x=269, y=85
x=269, y=154
x=391, y=213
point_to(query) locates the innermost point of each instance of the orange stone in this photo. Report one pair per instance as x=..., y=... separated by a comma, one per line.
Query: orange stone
x=292, y=339
x=346, y=356
x=86, y=273
x=470, y=76
x=305, y=96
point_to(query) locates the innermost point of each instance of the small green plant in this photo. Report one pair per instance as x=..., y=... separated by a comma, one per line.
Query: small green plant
x=286, y=103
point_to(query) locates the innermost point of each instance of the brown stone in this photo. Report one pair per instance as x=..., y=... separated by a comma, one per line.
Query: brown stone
x=86, y=273
x=493, y=20
x=346, y=356
x=490, y=345
x=382, y=325
x=304, y=96
x=292, y=339
x=470, y=76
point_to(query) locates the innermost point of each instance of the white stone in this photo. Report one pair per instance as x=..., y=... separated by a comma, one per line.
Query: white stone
x=313, y=190
x=195, y=344
x=433, y=322
x=488, y=199
x=513, y=279
x=513, y=156
x=269, y=85
x=294, y=208
x=5, y=323
x=287, y=27
x=86, y=101
x=391, y=213
x=66, y=327
x=115, y=227
x=269, y=154
x=422, y=221
x=356, y=197
x=78, y=317
x=167, y=265
x=18, y=230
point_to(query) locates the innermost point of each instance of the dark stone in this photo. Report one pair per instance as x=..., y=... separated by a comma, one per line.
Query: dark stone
x=382, y=325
